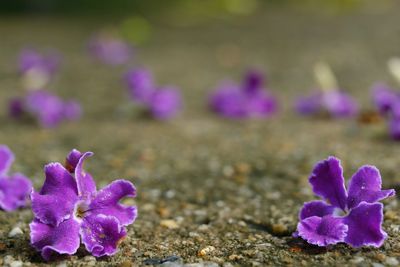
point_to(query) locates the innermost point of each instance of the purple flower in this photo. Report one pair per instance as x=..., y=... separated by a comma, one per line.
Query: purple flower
x=162, y=102
x=14, y=188
x=110, y=50
x=141, y=85
x=165, y=103
x=30, y=59
x=245, y=101
x=69, y=208
x=384, y=97
x=49, y=109
x=352, y=215
x=337, y=103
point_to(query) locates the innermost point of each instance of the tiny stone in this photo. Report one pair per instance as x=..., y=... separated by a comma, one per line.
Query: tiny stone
x=279, y=229
x=376, y=264
x=62, y=264
x=357, y=260
x=125, y=264
x=380, y=256
x=170, y=224
x=16, y=264
x=390, y=215
x=206, y=251
x=392, y=261
x=15, y=231
x=203, y=228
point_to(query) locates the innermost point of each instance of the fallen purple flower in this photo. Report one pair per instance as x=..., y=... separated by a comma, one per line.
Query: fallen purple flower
x=14, y=188
x=337, y=103
x=384, y=97
x=49, y=109
x=68, y=209
x=110, y=50
x=30, y=59
x=245, y=101
x=352, y=215
x=162, y=102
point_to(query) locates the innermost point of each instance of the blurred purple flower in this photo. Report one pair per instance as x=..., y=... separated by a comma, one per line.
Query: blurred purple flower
x=245, y=101
x=384, y=97
x=140, y=84
x=352, y=215
x=49, y=109
x=30, y=59
x=14, y=188
x=68, y=209
x=337, y=103
x=110, y=50
x=162, y=102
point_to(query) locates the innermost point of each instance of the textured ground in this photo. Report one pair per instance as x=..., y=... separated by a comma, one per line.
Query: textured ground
x=209, y=190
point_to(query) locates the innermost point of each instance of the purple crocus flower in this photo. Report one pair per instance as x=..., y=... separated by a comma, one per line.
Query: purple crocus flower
x=337, y=103
x=14, y=188
x=69, y=208
x=245, y=101
x=162, y=102
x=49, y=109
x=110, y=50
x=352, y=215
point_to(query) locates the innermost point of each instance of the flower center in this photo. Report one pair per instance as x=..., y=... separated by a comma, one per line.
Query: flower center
x=80, y=209
x=339, y=212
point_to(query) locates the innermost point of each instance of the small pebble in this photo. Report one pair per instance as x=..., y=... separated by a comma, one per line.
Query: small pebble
x=15, y=231
x=357, y=260
x=206, y=251
x=16, y=264
x=392, y=261
x=376, y=264
x=170, y=224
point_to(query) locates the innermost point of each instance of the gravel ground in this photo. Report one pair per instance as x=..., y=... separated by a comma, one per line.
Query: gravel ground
x=210, y=191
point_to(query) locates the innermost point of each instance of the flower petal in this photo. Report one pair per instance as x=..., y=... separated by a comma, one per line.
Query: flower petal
x=55, y=201
x=365, y=225
x=315, y=208
x=86, y=185
x=14, y=191
x=340, y=104
x=106, y=202
x=141, y=85
x=253, y=82
x=261, y=104
x=165, y=103
x=328, y=182
x=308, y=105
x=61, y=239
x=6, y=159
x=383, y=97
x=228, y=101
x=101, y=234
x=322, y=231
x=365, y=185
x=72, y=160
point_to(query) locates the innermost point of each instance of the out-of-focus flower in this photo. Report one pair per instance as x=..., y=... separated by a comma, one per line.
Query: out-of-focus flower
x=49, y=109
x=68, y=209
x=37, y=69
x=336, y=103
x=384, y=97
x=249, y=100
x=162, y=102
x=387, y=101
x=352, y=215
x=14, y=188
x=110, y=50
